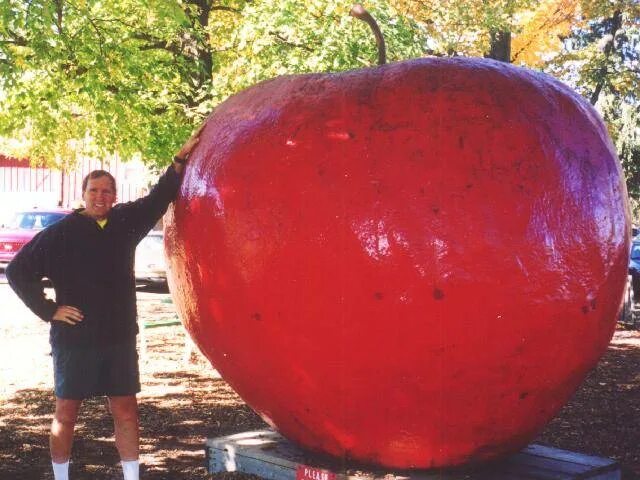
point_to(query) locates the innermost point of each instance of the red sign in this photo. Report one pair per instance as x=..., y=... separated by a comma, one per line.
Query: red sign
x=310, y=473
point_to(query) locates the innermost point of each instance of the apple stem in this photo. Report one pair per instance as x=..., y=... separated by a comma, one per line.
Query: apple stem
x=360, y=13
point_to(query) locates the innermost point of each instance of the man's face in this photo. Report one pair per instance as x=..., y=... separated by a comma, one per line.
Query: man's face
x=98, y=197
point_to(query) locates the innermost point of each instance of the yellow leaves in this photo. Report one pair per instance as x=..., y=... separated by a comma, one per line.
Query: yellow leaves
x=20, y=62
x=420, y=11
x=16, y=147
x=627, y=82
x=457, y=27
x=20, y=55
x=541, y=31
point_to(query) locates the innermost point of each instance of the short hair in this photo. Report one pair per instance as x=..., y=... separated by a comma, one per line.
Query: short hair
x=97, y=174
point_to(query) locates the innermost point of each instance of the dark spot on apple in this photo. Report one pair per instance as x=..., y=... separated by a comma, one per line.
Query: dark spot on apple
x=593, y=304
x=310, y=89
x=585, y=309
x=320, y=171
x=461, y=142
x=256, y=316
x=468, y=186
x=391, y=126
x=435, y=210
x=520, y=187
x=524, y=395
x=422, y=190
x=416, y=156
x=378, y=295
x=438, y=294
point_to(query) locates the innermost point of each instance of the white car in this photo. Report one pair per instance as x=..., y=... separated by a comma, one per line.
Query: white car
x=150, y=267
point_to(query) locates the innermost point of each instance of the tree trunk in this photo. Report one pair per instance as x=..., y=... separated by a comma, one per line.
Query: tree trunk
x=204, y=51
x=500, y=46
x=608, y=46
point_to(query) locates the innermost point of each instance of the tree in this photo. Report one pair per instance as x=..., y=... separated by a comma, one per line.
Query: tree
x=600, y=58
x=470, y=28
x=78, y=77
x=541, y=31
x=127, y=76
x=287, y=36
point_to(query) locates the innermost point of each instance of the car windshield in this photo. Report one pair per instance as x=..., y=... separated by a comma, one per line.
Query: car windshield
x=153, y=243
x=635, y=251
x=35, y=220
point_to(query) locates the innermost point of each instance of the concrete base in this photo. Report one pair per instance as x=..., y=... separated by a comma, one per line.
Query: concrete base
x=267, y=454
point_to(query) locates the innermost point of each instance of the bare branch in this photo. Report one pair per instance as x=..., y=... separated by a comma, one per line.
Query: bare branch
x=278, y=36
x=225, y=9
x=59, y=10
x=15, y=39
x=608, y=46
x=19, y=42
x=155, y=43
x=208, y=6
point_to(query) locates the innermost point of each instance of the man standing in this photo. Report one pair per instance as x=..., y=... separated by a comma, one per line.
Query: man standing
x=88, y=256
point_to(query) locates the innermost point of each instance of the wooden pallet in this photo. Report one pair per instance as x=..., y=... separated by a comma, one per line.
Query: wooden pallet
x=267, y=454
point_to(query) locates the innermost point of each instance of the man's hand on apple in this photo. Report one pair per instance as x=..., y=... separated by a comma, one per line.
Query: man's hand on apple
x=185, y=150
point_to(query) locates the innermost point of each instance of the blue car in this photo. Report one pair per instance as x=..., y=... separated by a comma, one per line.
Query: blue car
x=634, y=269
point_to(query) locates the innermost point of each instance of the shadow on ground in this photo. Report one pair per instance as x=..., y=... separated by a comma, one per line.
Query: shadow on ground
x=173, y=430
x=603, y=417
x=180, y=409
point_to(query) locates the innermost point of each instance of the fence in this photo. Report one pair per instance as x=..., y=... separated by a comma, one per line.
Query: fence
x=25, y=186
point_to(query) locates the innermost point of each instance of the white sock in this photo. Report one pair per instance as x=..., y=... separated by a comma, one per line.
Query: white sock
x=130, y=469
x=60, y=470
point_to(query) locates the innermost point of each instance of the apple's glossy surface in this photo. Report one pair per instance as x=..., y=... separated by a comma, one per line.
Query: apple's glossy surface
x=412, y=265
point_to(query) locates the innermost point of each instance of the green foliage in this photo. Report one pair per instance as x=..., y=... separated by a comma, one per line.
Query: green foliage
x=286, y=37
x=87, y=77
x=457, y=27
x=623, y=119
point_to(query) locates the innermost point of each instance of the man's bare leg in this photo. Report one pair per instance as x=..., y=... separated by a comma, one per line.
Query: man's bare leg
x=125, y=420
x=61, y=437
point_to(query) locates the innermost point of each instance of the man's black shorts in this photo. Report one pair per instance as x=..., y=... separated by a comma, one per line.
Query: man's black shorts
x=81, y=372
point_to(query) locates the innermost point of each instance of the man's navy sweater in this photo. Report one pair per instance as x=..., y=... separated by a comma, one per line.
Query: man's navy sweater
x=91, y=268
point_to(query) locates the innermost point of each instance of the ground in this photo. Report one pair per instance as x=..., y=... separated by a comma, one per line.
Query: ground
x=184, y=401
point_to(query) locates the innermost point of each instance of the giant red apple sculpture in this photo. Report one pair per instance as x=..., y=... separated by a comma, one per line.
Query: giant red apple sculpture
x=412, y=265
